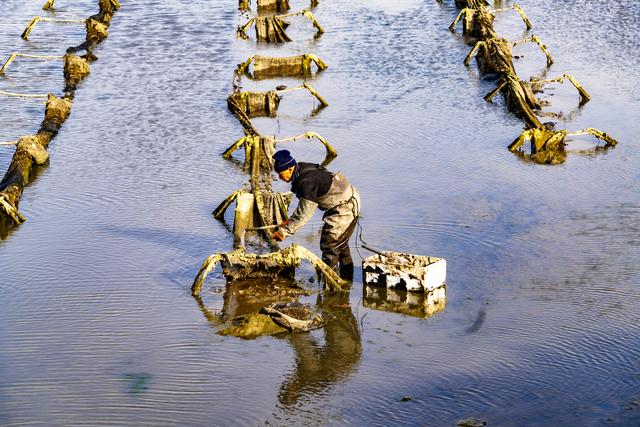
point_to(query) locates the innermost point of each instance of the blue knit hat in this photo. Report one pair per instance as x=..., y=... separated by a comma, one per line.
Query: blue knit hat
x=283, y=160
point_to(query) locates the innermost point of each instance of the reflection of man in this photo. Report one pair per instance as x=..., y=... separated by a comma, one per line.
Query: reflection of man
x=319, y=367
x=316, y=187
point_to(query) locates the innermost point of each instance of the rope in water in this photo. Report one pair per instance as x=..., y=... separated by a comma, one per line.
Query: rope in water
x=23, y=95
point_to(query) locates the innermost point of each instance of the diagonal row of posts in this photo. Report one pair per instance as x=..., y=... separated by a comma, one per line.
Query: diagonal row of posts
x=257, y=206
x=493, y=56
x=31, y=150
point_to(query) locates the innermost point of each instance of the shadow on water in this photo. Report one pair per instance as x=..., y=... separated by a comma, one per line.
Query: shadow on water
x=477, y=324
x=189, y=244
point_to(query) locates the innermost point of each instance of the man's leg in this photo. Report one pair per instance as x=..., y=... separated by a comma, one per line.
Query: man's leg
x=339, y=224
x=346, y=263
x=329, y=247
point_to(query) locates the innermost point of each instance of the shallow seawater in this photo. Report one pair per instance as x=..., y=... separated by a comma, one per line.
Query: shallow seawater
x=97, y=322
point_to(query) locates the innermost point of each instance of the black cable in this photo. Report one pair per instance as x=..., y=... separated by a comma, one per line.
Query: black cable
x=359, y=235
x=359, y=227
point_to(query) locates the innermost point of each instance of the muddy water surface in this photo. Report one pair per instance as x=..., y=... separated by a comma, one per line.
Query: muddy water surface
x=97, y=324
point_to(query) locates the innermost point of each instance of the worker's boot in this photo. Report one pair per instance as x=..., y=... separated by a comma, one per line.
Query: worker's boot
x=346, y=272
x=331, y=260
x=346, y=263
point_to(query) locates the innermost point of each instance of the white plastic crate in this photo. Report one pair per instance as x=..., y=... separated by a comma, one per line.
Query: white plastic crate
x=395, y=270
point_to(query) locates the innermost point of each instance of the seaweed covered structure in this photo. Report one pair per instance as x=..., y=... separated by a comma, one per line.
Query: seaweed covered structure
x=271, y=29
x=477, y=22
x=246, y=105
x=96, y=25
x=470, y=4
x=31, y=151
x=265, y=104
x=279, y=6
x=266, y=67
x=520, y=95
x=294, y=316
x=548, y=146
x=264, y=147
x=270, y=6
x=240, y=264
x=260, y=206
x=258, y=209
x=259, y=104
x=494, y=57
x=75, y=70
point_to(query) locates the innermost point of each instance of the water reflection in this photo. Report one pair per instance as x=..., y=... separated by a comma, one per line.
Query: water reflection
x=417, y=304
x=7, y=225
x=212, y=316
x=241, y=304
x=319, y=364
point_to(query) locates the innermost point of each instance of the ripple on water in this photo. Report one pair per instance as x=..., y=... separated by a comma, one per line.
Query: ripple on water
x=98, y=324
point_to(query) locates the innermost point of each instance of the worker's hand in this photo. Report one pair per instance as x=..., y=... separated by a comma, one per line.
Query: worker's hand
x=278, y=236
x=284, y=223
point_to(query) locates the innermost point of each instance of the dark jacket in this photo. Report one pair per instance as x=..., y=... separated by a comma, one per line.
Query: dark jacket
x=310, y=181
x=316, y=187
